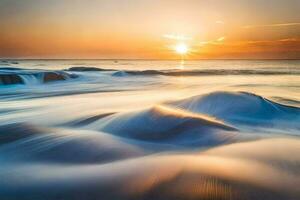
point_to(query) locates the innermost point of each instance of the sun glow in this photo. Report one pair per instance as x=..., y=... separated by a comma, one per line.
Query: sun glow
x=181, y=49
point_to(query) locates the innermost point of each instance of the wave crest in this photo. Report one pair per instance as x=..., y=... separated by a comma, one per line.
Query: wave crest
x=167, y=125
x=242, y=108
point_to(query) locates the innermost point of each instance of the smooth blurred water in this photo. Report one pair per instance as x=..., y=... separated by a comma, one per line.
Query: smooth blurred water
x=113, y=124
x=105, y=92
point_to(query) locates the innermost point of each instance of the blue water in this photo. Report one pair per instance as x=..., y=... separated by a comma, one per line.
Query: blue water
x=149, y=129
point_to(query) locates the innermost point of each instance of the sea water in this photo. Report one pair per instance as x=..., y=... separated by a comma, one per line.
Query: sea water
x=149, y=129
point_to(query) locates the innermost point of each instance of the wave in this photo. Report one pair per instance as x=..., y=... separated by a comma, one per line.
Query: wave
x=87, y=69
x=242, y=108
x=165, y=125
x=156, y=153
x=12, y=76
x=9, y=62
x=208, y=72
x=22, y=141
x=200, y=117
x=250, y=170
x=180, y=72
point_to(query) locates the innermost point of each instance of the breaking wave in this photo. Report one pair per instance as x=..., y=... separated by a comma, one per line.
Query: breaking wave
x=12, y=76
x=180, y=72
x=243, y=108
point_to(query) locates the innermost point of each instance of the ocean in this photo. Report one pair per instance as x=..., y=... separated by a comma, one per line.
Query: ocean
x=150, y=129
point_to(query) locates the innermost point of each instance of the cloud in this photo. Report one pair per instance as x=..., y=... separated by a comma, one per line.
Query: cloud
x=213, y=42
x=273, y=25
x=290, y=40
x=220, y=22
x=221, y=39
x=176, y=37
x=284, y=41
x=284, y=48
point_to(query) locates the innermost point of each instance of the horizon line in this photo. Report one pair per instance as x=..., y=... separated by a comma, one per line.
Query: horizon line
x=148, y=59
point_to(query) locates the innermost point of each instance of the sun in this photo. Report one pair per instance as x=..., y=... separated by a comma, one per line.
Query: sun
x=181, y=48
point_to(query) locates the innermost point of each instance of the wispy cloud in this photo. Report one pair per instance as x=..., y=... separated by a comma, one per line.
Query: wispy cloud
x=291, y=43
x=176, y=37
x=213, y=42
x=290, y=40
x=273, y=25
x=221, y=39
x=286, y=41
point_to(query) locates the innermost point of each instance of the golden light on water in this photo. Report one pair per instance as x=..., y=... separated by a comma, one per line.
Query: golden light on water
x=182, y=49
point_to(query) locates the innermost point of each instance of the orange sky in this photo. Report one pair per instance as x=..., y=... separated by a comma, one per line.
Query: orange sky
x=149, y=29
